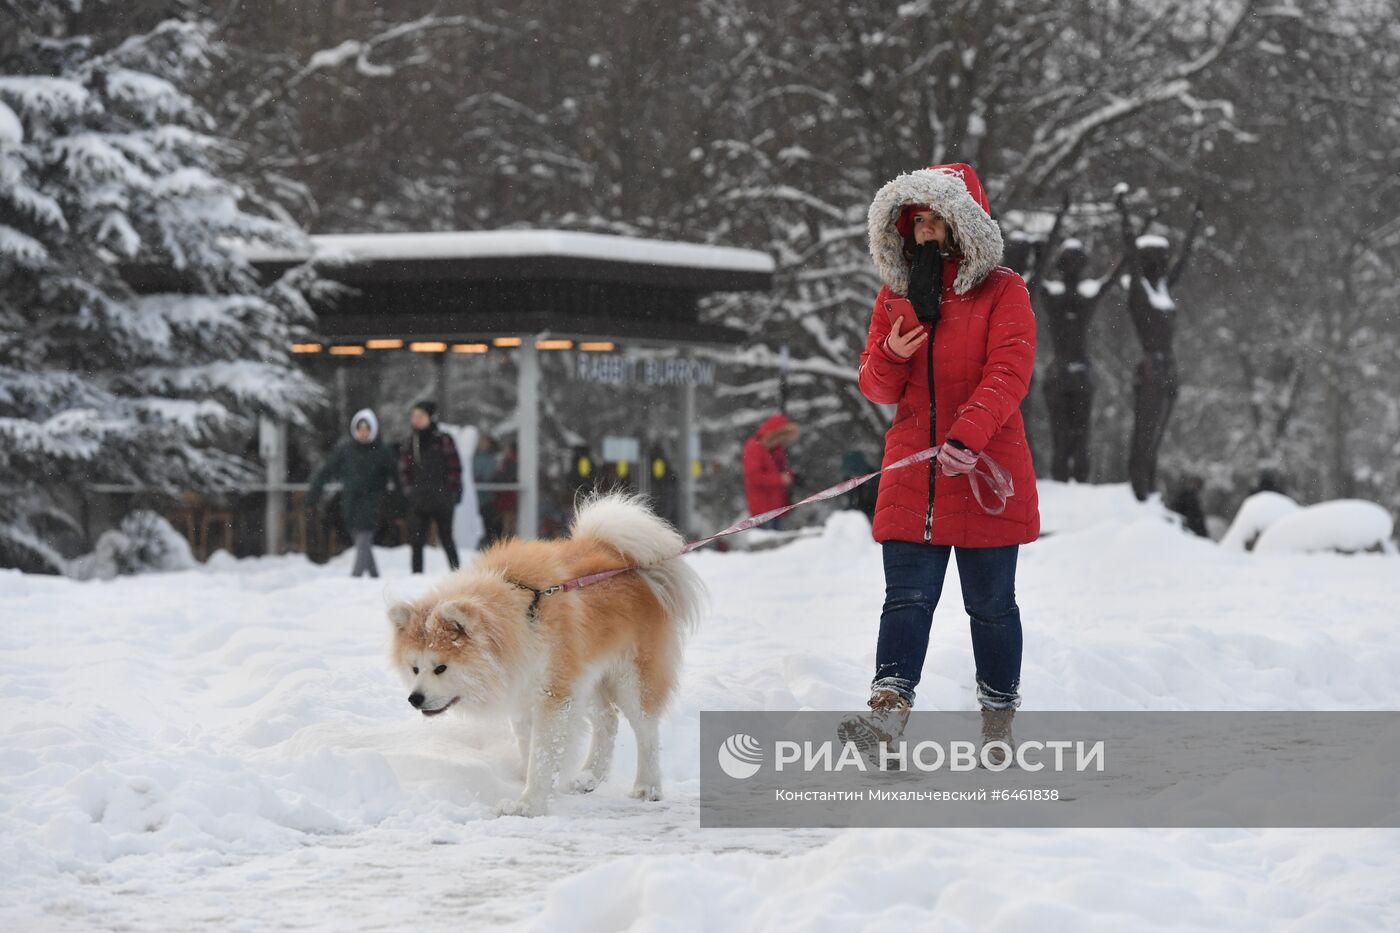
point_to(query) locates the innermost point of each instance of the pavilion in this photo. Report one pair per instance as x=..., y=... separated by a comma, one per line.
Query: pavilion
x=522, y=292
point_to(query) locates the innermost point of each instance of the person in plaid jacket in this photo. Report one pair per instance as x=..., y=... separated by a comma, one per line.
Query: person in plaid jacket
x=430, y=471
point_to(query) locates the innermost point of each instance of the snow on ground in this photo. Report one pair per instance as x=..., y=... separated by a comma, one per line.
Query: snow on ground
x=225, y=748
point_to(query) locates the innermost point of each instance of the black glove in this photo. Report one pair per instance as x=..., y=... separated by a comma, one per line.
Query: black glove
x=926, y=282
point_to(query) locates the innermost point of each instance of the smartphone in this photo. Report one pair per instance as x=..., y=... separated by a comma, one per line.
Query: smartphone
x=902, y=310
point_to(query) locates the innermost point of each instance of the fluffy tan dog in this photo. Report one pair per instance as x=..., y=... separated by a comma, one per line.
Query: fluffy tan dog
x=483, y=639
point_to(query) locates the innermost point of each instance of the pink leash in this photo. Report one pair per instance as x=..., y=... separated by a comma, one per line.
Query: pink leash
x=986, y=472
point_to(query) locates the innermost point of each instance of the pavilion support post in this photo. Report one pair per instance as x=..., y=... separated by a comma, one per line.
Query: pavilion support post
x=342, y=393
x=272, y=445
x=527, y=419
x=687, y=453
x=440, y=387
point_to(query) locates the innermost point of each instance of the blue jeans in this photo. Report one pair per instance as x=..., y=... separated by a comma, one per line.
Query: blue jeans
x=913, y=581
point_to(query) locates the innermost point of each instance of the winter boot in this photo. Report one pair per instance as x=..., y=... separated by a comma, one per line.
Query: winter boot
x=996, y=727
x=889, y=712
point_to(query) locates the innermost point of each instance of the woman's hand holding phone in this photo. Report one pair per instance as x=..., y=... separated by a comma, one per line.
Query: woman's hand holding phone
x=906, y=334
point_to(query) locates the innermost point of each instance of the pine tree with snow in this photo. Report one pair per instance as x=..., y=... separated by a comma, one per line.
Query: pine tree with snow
x=107, y=165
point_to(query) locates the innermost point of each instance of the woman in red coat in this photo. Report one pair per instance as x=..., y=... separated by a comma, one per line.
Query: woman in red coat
x=952, y=346
x=767, y=479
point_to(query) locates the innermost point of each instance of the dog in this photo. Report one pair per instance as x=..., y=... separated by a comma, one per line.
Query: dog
x=489, y=639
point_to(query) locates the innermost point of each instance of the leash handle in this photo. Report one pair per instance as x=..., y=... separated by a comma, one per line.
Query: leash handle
x=987, y=471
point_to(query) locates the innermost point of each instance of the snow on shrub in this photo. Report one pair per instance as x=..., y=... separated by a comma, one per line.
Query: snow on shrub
x=143, y=543
x=1256, y=514
x=1343, y=525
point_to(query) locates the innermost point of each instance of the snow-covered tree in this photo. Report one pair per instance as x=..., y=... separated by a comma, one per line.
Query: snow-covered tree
x=827, y=103
x=109, y=176
x=769, y=123
x=1296, y=325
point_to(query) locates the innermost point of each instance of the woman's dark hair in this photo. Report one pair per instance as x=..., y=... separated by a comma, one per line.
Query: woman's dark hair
x=951, y=246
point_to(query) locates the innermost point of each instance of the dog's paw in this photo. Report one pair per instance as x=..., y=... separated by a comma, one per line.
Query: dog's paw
x=522, y=806
x=646, y=791
x=585, y=783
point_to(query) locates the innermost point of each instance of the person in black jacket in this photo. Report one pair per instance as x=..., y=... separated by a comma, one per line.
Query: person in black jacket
x=365, y=469
x=431, y=473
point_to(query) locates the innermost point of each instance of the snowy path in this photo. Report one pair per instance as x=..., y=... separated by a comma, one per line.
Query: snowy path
x=226, y=748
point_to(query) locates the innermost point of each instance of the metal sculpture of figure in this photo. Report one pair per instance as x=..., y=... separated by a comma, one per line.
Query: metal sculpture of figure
x=1068, y=305
x=1021, y=253
x=1153, y=312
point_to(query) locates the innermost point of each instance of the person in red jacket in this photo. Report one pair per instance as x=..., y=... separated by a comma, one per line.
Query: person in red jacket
x=767, y=479
x=952, y=346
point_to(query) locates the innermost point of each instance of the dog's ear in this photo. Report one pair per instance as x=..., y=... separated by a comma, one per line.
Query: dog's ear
x=400, y=614
x=454, y=617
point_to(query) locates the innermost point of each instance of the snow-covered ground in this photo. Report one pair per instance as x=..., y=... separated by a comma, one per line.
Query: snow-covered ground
x=226, y=748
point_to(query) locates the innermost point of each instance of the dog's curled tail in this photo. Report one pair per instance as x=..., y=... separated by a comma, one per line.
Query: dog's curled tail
x=624, y=522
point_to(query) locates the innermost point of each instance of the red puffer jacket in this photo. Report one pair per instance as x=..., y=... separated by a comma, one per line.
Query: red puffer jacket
x=764, y=468
x=979, y=361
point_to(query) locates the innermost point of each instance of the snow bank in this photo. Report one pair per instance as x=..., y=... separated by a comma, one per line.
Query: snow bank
x=1255, y=514
x=1343, y=525
x=1079, y=506
x=969, y=881
x=226, y=748
x=13, y=583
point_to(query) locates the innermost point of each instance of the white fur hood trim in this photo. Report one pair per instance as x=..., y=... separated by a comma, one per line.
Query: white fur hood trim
x=365, y=414
x=945, y=192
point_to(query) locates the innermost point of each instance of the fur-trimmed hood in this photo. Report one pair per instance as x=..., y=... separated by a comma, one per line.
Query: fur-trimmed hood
x=956, y=194
x=365, y=414
x=772, y=423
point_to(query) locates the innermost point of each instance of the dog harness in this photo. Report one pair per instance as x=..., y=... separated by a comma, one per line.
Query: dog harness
x=533, y=613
